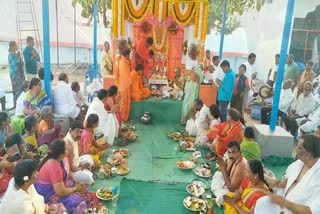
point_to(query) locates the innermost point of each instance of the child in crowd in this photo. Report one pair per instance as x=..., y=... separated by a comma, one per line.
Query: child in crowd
x=5, y=129
x=41, y=77
x=31, y=127
x=202, y=139
x=88, y=143
x=77, y=94
x=249, y=147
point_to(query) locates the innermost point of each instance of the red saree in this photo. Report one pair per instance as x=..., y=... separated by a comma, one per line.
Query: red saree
x=223, y=134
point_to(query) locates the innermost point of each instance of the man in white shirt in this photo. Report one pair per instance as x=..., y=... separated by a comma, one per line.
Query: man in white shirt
x=251, y=69
x=273, y=69
x=309, y=124
x=64, y=102
x=304, y=106
x=19, y=104
x=209, y=76
x=77, y=167
x=218, y=73
x=286, y=98
x=199, y=115
x=108, y=125
x=316, y=94
x=299, y=191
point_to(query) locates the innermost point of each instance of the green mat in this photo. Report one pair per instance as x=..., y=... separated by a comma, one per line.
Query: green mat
x=138, y=197
x=166, y=111
x=154, y=155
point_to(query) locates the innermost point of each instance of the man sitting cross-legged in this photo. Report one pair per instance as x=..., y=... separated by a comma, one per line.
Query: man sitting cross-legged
x=286, y=98
x=200, y=114
x=79, y=166
x=305, y=105
x=231, y=175
x=138, y=92
x=299, y=191
x=309, y=124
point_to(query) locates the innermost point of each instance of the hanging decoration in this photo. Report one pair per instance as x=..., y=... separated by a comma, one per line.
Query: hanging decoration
x=122, y=45
x=185, y=47
x=183, y=12
x=137, y=9
x=193, y=51
x=181, y=15
x=163, y=37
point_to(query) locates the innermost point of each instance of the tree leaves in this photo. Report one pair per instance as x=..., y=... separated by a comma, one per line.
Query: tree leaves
x=234, y=9
x=88, y=9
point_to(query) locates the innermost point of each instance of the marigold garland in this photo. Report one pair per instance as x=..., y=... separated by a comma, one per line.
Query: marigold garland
x=139, y=14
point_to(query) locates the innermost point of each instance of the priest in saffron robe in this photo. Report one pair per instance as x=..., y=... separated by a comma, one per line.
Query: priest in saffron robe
x=141, y=53
x=138, y=92
x=123, y=82
x=221, y=135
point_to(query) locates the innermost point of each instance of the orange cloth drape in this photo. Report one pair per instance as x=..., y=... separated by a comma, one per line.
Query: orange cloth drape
x=137, y=90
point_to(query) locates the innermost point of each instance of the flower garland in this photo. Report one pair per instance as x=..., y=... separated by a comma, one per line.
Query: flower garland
x=138, y=12
x=163, y=38
x=179, y=17
x=193, y=51
x=122, y=45
x=185, y=47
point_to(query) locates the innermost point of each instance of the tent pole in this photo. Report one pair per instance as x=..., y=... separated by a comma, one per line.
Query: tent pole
x=282, y=62
x=46, y=47
x=224, y=20
x=95, y=36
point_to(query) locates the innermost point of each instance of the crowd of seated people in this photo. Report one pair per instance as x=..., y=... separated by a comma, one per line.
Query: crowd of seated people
x=299, y=100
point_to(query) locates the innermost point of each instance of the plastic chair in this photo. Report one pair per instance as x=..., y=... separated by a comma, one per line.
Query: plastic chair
x=89, y=76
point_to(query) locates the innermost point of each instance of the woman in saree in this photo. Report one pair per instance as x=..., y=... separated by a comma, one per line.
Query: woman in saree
x=48, y=131
x=57, y=184
x=111, y=103
x=191, y=93
x=35, y=98
x=221, y=135
x=88, y=143
x=5, y=128
x=15, y=151
x=21, y=189
x=16, y=70
x=253, y=187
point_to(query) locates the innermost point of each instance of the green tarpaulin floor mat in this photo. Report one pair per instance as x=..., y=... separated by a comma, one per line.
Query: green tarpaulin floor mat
x=278, y=165
x=138, y=197
x=166, y=111
x=153, y=157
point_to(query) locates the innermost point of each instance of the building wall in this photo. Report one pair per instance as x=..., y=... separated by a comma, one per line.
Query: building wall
x=264, y=29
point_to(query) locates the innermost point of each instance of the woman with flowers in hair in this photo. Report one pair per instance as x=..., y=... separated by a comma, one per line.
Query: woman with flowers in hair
x=88, y=143
x=57, y=184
